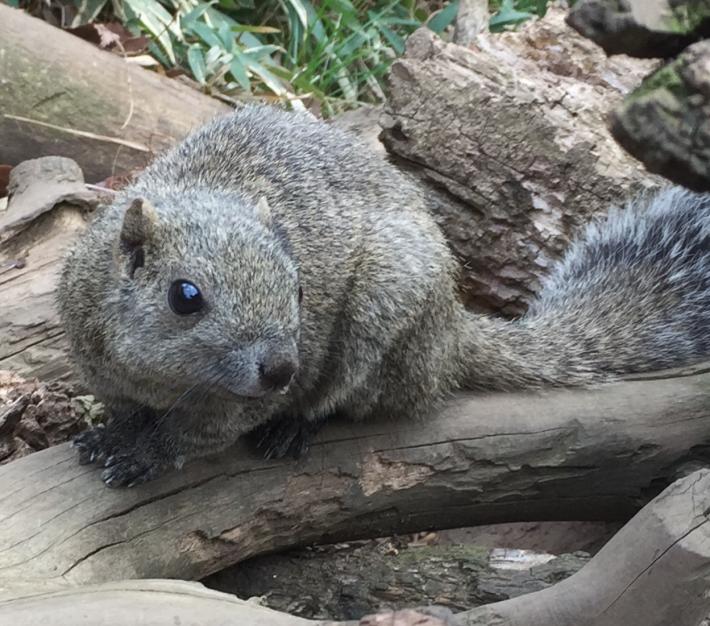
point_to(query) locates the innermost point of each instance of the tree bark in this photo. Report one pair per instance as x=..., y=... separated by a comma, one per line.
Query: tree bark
x=664, y=123
x=565, y=454
x=471, y=20
x=47, y=210
x=62, y=95
x=641, y=28
x=653, y=573
x=511, y=138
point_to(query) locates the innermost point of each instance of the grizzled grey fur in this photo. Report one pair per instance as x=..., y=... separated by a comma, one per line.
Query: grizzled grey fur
x=329, y=288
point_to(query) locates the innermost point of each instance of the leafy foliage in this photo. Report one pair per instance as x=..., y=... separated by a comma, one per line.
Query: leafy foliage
x=334, y=52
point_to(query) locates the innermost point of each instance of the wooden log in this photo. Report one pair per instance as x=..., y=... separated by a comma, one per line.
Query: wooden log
x=641, y=28
x=664, y=122
x=654, y=572
x=47, y=210
x=511, y=138
x=62, y=95
x=563, y=454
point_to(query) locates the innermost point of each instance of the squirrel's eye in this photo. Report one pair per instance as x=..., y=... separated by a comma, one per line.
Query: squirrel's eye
x=184, y=297
x=300, y=294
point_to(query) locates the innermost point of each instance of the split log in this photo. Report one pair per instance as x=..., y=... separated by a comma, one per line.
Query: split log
x=654, y=572
x=563, y=454
x=511, y=137
x=61, y=95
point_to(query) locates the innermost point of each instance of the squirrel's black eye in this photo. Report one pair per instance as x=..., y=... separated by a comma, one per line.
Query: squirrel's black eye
x=184, y=297
x=300, y=294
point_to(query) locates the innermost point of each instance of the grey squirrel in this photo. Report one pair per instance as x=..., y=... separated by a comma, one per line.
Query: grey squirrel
x=270, y=271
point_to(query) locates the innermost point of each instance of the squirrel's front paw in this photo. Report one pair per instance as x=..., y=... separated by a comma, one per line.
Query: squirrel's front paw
x=92, y=445
x=127, y=469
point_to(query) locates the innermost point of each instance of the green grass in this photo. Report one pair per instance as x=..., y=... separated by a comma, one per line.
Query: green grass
x=334, y=53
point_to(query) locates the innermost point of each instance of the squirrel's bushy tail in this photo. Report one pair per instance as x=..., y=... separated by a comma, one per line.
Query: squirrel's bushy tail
x=631, y=295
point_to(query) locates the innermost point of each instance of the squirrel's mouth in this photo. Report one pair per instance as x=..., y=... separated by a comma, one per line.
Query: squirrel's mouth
x=233, y=392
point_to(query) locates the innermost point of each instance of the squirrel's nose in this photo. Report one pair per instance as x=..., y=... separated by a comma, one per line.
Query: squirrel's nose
x=277, y=373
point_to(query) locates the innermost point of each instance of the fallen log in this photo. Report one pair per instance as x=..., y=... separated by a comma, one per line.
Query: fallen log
x=47, y=211
x=510, y=136
x=640, y=28
x=565, y=454
x=654, y=572
x=62, y=95
x=663, y=121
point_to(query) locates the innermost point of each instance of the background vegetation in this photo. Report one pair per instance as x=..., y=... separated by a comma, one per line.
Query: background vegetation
x=333, y=53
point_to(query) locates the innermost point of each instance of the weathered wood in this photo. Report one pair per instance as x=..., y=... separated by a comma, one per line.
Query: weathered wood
x=47, y=210
x=642, y=28
x=563, y=454
x=511, y=136
x=665, y=122
x=61, y=95
x=655, y=572
x=471, y=20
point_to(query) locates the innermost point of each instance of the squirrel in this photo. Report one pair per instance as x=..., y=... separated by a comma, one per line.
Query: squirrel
x=271, y=271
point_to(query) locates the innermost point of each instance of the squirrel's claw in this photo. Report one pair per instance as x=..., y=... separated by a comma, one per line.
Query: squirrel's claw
x=286, y=436
x=90, y=445
x=128, y=470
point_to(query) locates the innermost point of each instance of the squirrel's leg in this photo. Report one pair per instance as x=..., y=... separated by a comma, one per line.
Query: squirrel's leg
x=125, y=422
x=170, y=439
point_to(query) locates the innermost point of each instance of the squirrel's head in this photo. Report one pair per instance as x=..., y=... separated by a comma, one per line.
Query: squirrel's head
x=206, y=299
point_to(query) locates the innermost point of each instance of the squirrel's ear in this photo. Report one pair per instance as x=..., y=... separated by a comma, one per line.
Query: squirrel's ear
x=263, y=211
x=139, y=223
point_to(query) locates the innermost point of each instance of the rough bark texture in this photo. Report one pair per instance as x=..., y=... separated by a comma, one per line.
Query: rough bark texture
x=513, y=135
x=565, y=454
x=642, y=28
x=654, y=572
x=665, y=123
x=46, y=211
x=51, y=77
x=471, y=20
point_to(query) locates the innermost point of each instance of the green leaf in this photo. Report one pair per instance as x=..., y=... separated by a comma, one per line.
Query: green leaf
x=196, y=60
x=508, y=15
x=226, y=36
x=206, y=34
x=300, y=10
x=271, y=81
x=260, y=51
x=87, y=10
x=189, y=18
x=157, y=21
x=239, y=72
x=393, y=38
x=444, y=17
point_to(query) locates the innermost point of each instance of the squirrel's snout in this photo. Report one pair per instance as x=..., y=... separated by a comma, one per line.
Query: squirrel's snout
x=277, y=372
